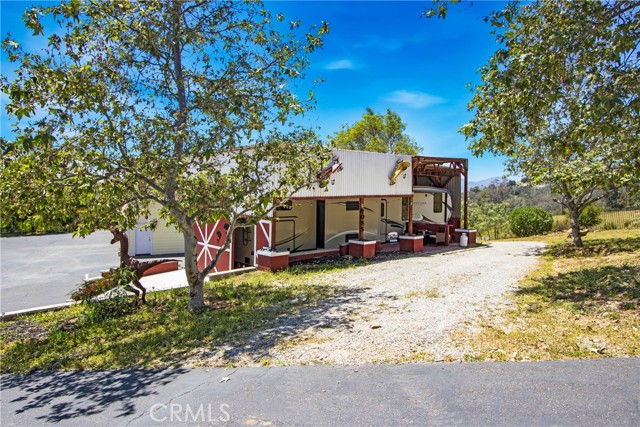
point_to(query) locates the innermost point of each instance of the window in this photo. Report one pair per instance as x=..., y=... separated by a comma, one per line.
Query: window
x=287, y=206
x=405, y=209
x=353, y=206
x=437, y=202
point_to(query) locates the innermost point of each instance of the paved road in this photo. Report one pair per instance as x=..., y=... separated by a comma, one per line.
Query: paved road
x=604, y=392
x=44, y=270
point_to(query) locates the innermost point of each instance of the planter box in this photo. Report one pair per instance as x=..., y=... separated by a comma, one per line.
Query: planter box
x=411, y=243
x=273, y=261
x=362, y=248
x=162, y=268
x=471, y=234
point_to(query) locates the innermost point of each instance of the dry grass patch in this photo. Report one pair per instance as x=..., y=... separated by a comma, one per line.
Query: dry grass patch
x=579, y=303
x=427, y=293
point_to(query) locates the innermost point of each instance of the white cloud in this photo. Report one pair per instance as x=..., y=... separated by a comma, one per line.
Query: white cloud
x=413, y=99
x=342, y=64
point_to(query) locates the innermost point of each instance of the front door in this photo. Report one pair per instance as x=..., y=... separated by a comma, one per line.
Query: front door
x=383, y=225
x=143, y=240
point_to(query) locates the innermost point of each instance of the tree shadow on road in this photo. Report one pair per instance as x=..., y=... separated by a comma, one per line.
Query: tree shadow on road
x=64, y=395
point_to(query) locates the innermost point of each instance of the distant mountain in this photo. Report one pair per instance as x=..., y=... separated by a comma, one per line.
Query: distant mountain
x=486, y=182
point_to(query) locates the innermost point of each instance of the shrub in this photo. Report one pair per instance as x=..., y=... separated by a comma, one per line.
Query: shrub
x=105, y=298
x=530, y=221
x=590, y=216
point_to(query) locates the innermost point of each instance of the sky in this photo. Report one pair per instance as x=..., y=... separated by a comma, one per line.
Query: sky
x=380, y=54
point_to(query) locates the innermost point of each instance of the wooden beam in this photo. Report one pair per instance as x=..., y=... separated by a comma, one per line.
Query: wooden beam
x=361, y=220
x=466, y=194
x=273, y=227
x=410, y=215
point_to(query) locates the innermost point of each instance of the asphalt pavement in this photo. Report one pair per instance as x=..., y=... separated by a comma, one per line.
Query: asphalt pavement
x=43, y=270
x=602, y=392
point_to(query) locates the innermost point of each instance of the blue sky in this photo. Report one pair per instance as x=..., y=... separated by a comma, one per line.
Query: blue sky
x=383, y=55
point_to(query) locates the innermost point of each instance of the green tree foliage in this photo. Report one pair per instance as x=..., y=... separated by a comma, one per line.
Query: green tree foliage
x=377, y=132
x=530, y=222
x=560, y=98
x=190, y=105
x=490, y=219
x=590, y=216
x=516, y=195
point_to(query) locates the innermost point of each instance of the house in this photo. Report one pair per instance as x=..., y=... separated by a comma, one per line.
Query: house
x=371, y=199
x=163, y=240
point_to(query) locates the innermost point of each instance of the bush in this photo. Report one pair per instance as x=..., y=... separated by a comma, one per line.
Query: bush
x=105, y=298
x=590, y=216
x=530, y=221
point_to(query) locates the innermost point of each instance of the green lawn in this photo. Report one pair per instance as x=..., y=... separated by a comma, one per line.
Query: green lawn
x=162, y=332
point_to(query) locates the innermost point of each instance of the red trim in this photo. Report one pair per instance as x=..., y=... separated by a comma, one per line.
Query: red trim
x=351, y=197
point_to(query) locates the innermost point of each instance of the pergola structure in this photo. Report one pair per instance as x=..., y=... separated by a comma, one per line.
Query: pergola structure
x=441, y=170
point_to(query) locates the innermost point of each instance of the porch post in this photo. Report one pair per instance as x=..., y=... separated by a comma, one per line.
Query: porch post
x=361, y=220
x=273, y=227
x=466, y=192
x=410, y=215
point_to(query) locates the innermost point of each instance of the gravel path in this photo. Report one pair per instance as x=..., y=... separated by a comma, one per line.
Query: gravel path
x=400, y=310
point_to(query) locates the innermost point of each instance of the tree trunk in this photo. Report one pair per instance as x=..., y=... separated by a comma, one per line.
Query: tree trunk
x=195, y=280
x=575, y=227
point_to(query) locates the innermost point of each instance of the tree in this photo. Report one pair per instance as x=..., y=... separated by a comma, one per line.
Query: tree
x=190, y=105
x=375, y=132
x=490, y=217
x=560, y=98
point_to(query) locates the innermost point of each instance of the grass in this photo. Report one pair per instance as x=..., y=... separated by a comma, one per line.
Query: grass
x=162, y=332
x=611, y=220
x=428, y=293
x=578, y=303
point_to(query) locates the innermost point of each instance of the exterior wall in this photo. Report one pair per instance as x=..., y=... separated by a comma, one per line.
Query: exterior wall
x=363, y=174
x=423, y=205
x=339, y=222
x=301, y=218
x=392, y=220
x=454, y=187
x=165, y=239
x=211, y=238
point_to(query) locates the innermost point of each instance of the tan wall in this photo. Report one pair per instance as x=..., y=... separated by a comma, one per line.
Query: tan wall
x=339, y=221
x=423, y=205
x=303, y=215
x=165, y=239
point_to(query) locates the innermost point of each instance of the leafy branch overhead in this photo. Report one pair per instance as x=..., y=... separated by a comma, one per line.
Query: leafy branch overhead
x=190, y=105
x=560, y=97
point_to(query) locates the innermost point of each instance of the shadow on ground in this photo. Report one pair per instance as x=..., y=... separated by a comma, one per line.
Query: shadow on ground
x=594, y=247
x=65, y=395
x=332, y=313
x=612, y=286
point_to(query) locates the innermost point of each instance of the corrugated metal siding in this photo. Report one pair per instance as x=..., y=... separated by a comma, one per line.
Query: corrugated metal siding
x=363, y=174
x=455, y=191
x=166, y=239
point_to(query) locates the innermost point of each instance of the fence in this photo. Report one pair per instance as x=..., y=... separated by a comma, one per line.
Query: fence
x=610, y=220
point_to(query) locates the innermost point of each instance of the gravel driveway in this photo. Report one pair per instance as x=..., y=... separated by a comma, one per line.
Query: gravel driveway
x=400, y=310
